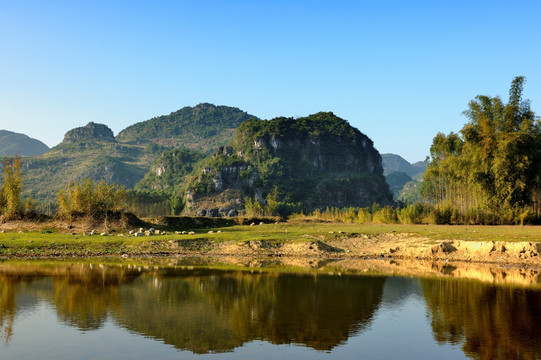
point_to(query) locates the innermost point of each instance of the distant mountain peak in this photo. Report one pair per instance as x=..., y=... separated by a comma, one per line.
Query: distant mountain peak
x=92, y=131
x=396, y=163
x=12, y=143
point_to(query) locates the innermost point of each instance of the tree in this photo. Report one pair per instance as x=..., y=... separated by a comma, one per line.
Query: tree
x=12, y=187
x=90, y=199
x=493, y=163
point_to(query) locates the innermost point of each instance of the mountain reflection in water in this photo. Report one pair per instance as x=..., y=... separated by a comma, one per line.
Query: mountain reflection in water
x=212, y=311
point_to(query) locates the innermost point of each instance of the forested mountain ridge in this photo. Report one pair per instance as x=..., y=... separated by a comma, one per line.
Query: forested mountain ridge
x=169, y=169
x=202, y=128
x=311, y=162
x=316, y=161
x=92, y=151
x=12, y=143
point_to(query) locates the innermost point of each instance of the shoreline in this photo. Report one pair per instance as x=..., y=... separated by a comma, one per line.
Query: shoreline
x=384, y=246
x=497, y=274
x=474, y=244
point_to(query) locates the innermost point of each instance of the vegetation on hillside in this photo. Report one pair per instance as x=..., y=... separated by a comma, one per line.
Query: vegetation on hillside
x=202, y=128
x=92, y=151
x=317, y=161
x=167, y=172
x=121, y=164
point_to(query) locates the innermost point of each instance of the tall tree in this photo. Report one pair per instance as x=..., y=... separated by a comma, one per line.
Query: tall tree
x=494, y=161
x=12, y=187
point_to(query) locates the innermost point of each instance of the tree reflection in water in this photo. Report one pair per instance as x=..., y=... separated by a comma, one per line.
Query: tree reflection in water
x=205, y=311
x=8, y=286
x=212, y=311
x=490, y=322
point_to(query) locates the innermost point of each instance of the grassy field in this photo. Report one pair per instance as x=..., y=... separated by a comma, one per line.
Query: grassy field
x=54, y=243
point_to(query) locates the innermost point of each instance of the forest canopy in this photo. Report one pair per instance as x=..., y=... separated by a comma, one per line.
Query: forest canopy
x=490, y=171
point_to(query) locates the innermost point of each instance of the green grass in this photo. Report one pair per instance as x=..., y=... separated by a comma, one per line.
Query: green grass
x=49, y=243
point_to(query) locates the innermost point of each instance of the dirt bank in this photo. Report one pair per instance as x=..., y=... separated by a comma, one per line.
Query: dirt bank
x=393, y=246
x=55, y=238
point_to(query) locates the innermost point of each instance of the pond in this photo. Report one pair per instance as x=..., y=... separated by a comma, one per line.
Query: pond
x=250, y=309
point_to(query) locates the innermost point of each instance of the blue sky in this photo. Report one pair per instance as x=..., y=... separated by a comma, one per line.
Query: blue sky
x=400, y=71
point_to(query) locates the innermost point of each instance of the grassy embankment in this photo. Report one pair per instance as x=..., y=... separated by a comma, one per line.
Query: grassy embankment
x=57, y=243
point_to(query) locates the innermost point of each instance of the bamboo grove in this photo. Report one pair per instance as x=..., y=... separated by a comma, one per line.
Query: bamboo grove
x=488, y=173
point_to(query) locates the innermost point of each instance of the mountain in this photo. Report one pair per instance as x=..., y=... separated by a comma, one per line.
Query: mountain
x=86, y=152
x=396, y=163
x=12, y=143
x=202, y=128
x=316, y=161
x=92, y=151
x=404, y=179
x=169, y=170
x=311, y=162
x=90, y=132
x=396, y=181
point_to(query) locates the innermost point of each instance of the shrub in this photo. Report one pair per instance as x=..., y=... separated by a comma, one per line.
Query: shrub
x=413, y=213
x=385, y=215
x=90, y=199
x=441, y=215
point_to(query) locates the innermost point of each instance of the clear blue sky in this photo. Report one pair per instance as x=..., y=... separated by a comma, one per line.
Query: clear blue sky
x=400, y=71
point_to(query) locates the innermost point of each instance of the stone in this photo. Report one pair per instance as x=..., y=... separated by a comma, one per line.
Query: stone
x=443, y=247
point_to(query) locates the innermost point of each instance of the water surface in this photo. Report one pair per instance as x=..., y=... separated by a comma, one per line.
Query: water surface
x=62, y=310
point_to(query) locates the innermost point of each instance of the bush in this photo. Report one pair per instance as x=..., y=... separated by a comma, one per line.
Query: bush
x=441, y=215
x=413, y=213
x=385, y=215
x=89, y=199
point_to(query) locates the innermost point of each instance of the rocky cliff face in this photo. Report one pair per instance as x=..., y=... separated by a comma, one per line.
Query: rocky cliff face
x=91, y=131
x=316, y=162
